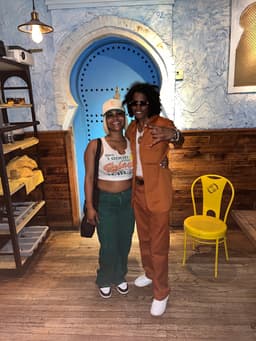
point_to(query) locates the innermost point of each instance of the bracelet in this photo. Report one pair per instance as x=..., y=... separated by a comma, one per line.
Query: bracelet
x=176, y=136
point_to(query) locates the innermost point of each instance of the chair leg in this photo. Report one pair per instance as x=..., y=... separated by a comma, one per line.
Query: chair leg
x=193, y=245
x=184, y=248
x=216, y=258
x=226, y=248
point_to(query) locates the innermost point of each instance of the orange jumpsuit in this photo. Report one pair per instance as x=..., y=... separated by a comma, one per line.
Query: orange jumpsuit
x=152, y=202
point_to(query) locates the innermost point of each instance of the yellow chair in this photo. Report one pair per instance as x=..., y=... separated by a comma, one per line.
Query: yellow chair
x=209, y=226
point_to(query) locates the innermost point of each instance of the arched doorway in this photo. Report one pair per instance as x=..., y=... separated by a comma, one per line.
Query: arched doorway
x=73, y=46
x=105, y=64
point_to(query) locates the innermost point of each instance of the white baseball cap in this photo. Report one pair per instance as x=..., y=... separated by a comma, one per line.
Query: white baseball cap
x=113, y=103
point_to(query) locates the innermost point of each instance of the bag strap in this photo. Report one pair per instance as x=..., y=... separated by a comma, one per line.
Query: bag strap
x=96, y=164
x=95, y=194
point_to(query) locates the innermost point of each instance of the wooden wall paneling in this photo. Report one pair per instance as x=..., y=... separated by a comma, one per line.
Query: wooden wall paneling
x=229, y=152
x=56, y=152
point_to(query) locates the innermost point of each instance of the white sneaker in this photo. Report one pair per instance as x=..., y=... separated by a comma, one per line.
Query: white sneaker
x=105, y=292
x=142, y=281
x=122, y=288
x=158, y=307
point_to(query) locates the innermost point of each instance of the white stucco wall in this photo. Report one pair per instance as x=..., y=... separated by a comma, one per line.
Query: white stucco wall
x=200, y=31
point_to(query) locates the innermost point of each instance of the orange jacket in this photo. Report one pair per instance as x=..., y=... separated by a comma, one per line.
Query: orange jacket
x=157, y=180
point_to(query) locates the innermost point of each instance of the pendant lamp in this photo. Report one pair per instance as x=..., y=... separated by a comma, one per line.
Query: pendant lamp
x=35, y=27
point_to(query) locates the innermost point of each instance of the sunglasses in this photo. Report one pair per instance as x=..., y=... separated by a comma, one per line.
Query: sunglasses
x=140, y=103
x=112, y=114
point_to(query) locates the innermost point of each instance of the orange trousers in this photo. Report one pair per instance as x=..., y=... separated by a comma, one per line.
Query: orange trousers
x=154, y=240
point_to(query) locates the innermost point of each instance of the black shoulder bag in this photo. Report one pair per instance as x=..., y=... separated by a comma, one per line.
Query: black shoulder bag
x=86, y=229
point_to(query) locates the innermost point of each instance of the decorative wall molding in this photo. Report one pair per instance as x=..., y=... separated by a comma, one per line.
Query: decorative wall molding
x=66, y=4
x=102, y=26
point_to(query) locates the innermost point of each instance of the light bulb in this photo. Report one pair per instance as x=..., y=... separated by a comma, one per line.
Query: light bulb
x=37, y=36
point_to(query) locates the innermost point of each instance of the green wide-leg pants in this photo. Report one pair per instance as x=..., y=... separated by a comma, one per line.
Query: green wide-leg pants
x=115, y=231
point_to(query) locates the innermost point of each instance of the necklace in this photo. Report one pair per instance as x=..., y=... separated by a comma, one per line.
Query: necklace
x=140, y=133
x=118, y=145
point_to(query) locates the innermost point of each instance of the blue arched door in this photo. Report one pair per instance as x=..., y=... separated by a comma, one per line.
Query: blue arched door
x=105, y=64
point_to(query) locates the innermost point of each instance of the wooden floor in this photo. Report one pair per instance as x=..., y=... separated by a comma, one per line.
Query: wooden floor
x=57, y=300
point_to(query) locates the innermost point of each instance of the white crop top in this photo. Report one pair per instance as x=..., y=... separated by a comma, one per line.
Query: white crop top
x=114, y=166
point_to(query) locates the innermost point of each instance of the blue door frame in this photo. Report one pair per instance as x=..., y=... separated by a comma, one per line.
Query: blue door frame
x=105, y=64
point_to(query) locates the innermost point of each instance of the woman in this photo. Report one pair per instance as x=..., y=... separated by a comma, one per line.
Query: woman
x=114, y=217
x=150, y=135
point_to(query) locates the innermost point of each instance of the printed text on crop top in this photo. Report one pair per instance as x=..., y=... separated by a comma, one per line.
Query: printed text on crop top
x=114, y=166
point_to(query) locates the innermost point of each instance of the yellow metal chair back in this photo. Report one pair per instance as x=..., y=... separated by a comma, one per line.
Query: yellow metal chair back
x=208, y=226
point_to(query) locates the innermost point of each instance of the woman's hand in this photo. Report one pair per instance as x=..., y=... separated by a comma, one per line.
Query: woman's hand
x=92, y=216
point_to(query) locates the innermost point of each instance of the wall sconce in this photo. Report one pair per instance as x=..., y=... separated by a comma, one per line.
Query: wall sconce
x=35, y=27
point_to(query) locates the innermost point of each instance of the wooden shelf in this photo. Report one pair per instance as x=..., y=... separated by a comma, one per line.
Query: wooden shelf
x=29, y=182
x=23, y=218
x=15, y=250
x=23, y=144
x=10, y=65
x=14, y=187
x=14, y=106
x=7, y=262
x=29, y=239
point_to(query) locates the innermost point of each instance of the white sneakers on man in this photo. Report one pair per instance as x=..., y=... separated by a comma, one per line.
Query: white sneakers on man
x=158, y=307
x=142, y=281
